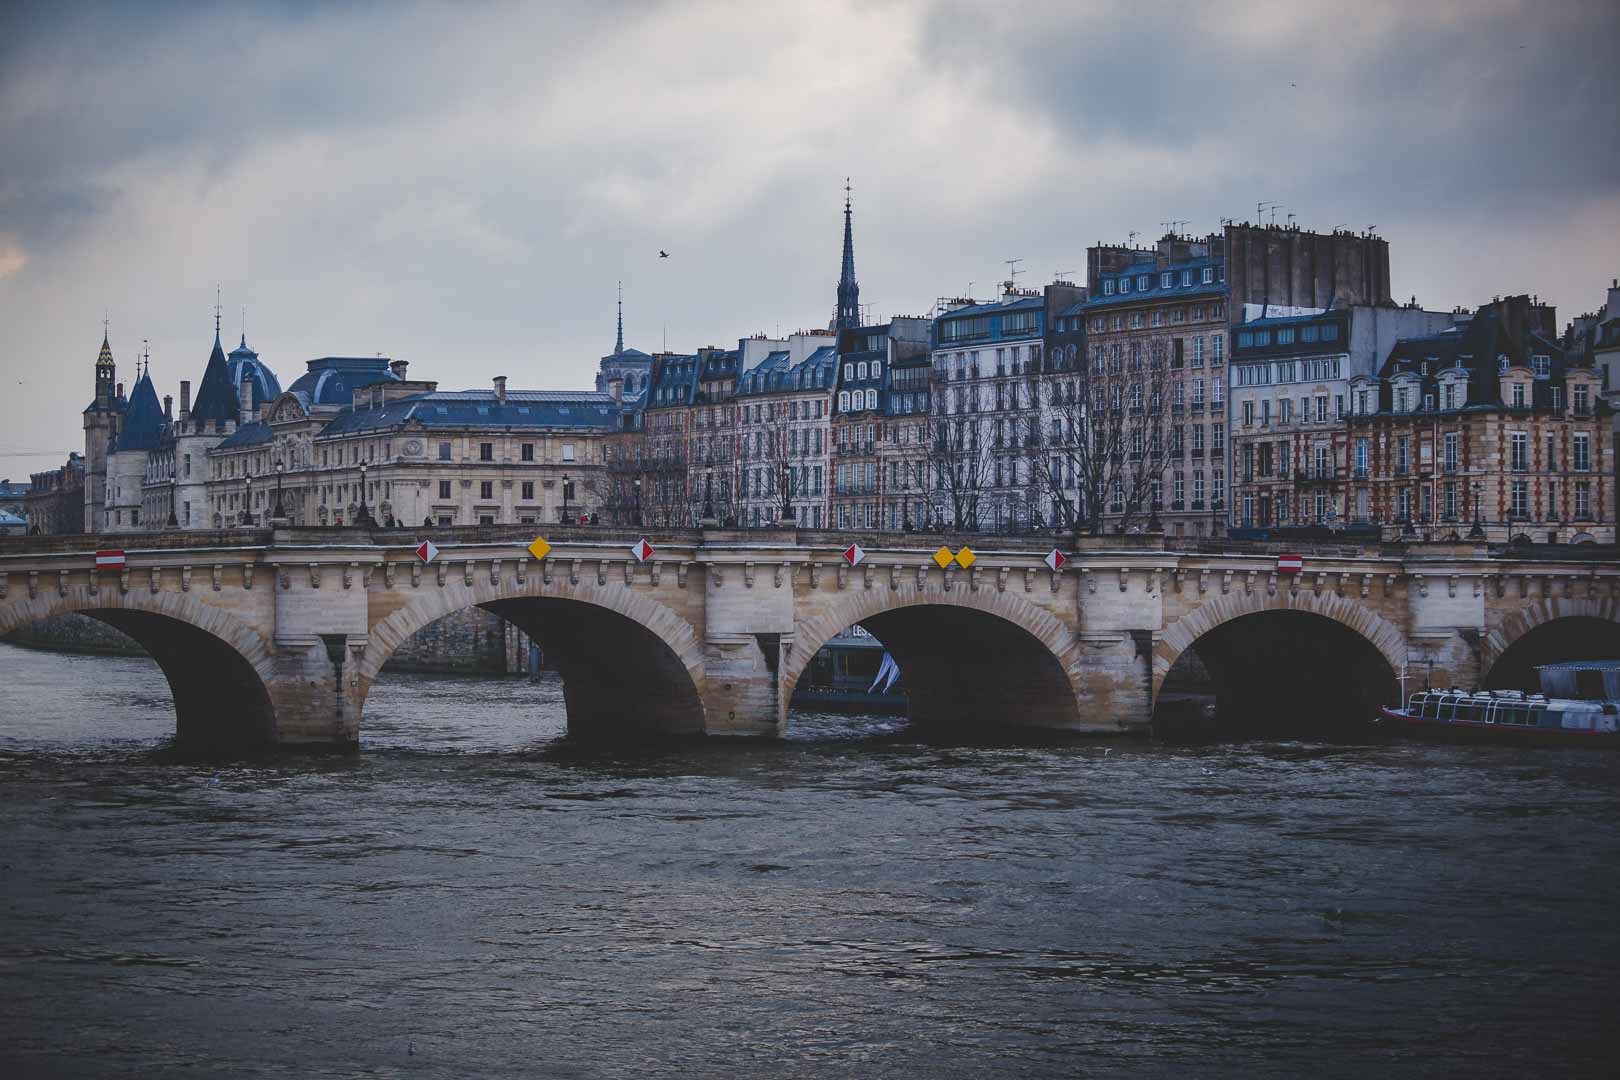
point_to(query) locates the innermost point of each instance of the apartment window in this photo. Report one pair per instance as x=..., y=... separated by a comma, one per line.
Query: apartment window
x=528, y=451
x=568, y=451
x=1217, y=437
x=1583, y=500
x=444, y=489
x=1518, y=451
x=486, y=489
x=1198, y=489
x=1519, y=496
x=1403, y=455
x=1167, y=279
x=1581, y=395
x=1208, y=275
x=528, y=489
x=1144, y=282
x=486, y=519
x=1217, y=487
x=1108, y=289
x=1581, y=452
x=1449, y=453
x=1518, y=395
x=446, y=519
x=444, y=451
x=1321, y=409
x=1449, y=500
x=1541, y=365
x=486, y=451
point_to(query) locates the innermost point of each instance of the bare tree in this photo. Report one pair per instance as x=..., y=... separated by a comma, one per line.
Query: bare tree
x=1111, y=435
x=955, y=463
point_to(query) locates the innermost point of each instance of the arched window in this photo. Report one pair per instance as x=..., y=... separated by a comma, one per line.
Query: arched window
x=843, y=401
x=871, y=399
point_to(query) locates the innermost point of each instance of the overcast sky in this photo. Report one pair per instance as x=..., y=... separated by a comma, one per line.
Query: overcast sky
x=461, y=186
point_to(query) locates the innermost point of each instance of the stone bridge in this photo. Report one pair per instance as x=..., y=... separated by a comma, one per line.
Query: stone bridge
x=276, y=636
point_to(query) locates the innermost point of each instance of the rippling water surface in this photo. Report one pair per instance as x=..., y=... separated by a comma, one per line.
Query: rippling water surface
x=471, y=897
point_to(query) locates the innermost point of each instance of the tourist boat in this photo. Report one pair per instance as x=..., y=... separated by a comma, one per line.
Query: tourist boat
x=854, y=673
x=1579, y=704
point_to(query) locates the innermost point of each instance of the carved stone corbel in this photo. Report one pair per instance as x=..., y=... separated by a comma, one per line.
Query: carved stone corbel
x=1389, y=584
x=33, y=584
x=1451, y=585
x=973, y=577
x=1203, y=582
x=520, y=572
x=922, y=576
x=717, y=574
x=388, y=574
x=365, y=575
x=1226, y=582
x=1153, y=582
x=1366, y=586
x=1001, y=578
x=443, y=573
x=123, y=582
x=217, y=576
x=1422, y=584
x=1271, y=583
x=601, y=571
x=680, y=574
x=1124, y=578
x=1175, y=580
x=495, y=572
x=655, y=572
x=61, y=582
x=185, y=579
x=348, y=575
x=416, y=574
x=247, y=575
x=1316, y=586
x=843, y=575
x=815, y=575
x=5, y=588
x=1090, y=579
x=867, y=570
x=467, y=573
x=1248, y=582
x=95, y=582
x=629, y=571
x=748, y=575
x=1055, y=576
x=781, y=569
x=574, y=568
x=947, y=574
x=894, y=576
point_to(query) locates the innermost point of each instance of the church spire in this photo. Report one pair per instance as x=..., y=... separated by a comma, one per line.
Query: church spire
x=618, y=342
x=849, y=292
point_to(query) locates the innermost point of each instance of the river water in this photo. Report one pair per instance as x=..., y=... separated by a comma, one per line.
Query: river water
x=470, y=896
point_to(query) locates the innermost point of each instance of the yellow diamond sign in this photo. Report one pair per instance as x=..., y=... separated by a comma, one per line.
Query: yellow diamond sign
x=539, y=549
x=943, y=557
x=965, y=557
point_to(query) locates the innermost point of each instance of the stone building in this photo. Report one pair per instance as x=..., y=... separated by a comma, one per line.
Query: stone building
x=103, y=419
x=55, y=502
x=1290, y=389
x=879, y=421
x=1487, y=428
x=784, y=406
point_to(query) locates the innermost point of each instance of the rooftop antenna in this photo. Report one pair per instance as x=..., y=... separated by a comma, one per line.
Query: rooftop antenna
x=1260, y=209
x=1131, y=240
x=1013, y=272
x=1290, y=219
x=970, y=290
x=1061, y=275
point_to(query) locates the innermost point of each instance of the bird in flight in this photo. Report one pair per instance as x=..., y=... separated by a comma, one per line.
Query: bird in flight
x=662, y=254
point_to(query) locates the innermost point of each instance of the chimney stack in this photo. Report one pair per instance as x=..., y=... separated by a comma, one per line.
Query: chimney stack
x=615, y=385
x=500, y=389
x=244, y=401
x=168, y=407
x=120, y=390
x=185, y=400
x=398, y=368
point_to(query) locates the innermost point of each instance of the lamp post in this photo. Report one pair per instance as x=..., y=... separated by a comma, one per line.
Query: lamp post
x=1478, y=531
x=174, y=522
x=637, y=504
x=247, y=511
x=362, y=516
x=567, y=491
x=280, y=511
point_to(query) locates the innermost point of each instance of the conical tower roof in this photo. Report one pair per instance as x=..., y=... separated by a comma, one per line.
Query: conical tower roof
x=216, y=397
x=143, y=423
x=105, y=356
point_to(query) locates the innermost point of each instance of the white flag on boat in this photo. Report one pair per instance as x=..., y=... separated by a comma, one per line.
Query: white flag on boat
x=888, y=668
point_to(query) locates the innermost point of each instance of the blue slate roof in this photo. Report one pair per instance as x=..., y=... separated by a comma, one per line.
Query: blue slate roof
x=144, y=422
x=996, y=307
x=332, y=380
x=244, y=362
x=777, y=373
x=583, y=409
x=254, y=434
x=216, y=397
x=1150, y=268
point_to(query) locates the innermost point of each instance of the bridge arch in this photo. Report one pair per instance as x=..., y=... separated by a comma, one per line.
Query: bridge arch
x=627, y=660
x=217, y=666
x=964, y=654
x=1264, y=659
x=1552, y=629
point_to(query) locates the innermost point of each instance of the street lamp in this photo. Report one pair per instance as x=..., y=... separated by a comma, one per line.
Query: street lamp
x=174, y=522
x=247, y=510
x=638, y=500
x=362, y=516
x=567, y=491
x=280, y=510
x=1478, y=531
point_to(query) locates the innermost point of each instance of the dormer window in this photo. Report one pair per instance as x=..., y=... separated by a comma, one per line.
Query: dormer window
x=1144, y=282
x=1166, y=279
x=1518, y=395
x=1502, y=362
x=1108, y=286
x=1209, y=275
x=1541, y=364
x=1186, y=278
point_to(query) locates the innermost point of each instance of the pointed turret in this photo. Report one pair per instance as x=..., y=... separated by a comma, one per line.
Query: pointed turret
x=216, y=397
x=143, y=423
x=106, y=375
x=849, y=291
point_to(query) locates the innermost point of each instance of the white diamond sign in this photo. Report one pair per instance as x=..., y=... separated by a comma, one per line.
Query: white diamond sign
x=854, y=554
x=642, y=550
x=427, y=551
x=1055, y=559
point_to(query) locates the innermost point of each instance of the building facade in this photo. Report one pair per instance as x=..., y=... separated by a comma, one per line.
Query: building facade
x=1486, y=430
x=784, y=406
x=879, y=424
x=55, y=503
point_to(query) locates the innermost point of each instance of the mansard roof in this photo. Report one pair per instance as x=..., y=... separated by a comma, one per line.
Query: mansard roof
x=332, y=380
x=588, y=410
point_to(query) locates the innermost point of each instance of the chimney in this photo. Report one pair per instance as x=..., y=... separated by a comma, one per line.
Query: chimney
x=500, y=389
x=185, y=400
x=398, y=368
x=120, y=390
x=168, y=407
x=244, y=401
x=616, y=387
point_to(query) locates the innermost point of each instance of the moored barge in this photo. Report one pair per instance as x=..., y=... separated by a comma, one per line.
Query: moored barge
x=1579, y=704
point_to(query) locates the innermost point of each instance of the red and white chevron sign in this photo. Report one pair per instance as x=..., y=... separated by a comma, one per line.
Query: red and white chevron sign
x=854, y=554
x=110, y=559
x=1055, y=559
x=642, y=550
x=1290, y=564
